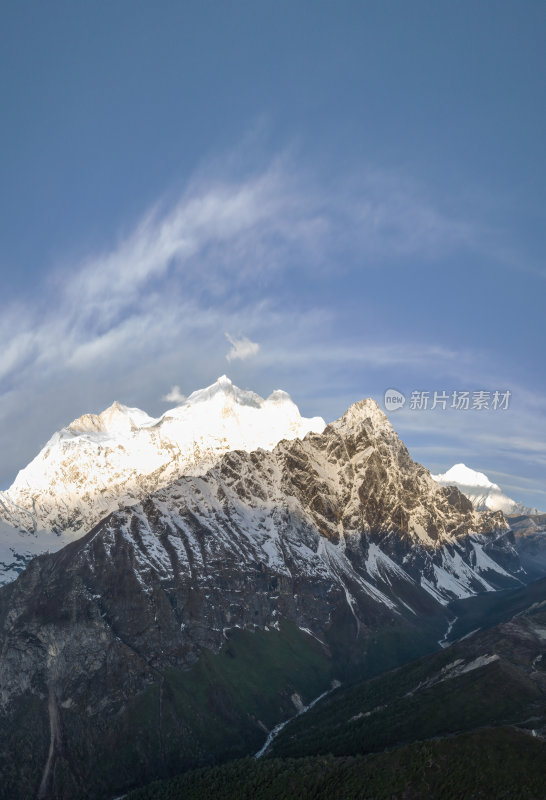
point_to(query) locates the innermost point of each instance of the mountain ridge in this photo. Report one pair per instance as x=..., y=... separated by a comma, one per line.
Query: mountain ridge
x=101, y=462
x=340, y=535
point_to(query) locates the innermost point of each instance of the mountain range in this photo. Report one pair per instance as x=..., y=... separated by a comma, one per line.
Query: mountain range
x=467, y=721
x=179, y=625
x=102, y=462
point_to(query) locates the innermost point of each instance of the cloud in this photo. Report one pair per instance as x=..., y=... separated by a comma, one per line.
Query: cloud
x=223, y=239
x=174, y=396
x=241, y=348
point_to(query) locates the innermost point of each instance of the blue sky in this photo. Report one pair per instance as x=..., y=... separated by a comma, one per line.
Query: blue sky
x=357, y=188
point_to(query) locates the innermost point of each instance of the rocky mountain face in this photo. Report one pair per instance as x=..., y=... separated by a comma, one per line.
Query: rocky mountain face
x=412, y=732
x=324, y=543
x=483, y=493
x=530, y=542
x=491, y=679
x=528, y=524
x=103, y=462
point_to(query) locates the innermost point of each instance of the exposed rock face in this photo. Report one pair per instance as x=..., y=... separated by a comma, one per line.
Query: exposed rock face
x=103, y=462
x=341, y=525
x=530, y=543
x=494, y=677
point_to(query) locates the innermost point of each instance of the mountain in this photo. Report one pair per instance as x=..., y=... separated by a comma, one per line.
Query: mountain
x=530, y=542
x=183, y=627
x=484, y=495
x=412, y=733
x=100, y=463
x=18, y=547
x=528, y=524
x=493, y=678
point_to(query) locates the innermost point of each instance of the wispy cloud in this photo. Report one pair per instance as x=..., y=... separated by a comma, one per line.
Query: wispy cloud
x=241, y=348
x=224, y=239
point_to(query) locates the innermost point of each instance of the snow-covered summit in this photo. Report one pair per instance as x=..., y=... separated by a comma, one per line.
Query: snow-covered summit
x=117, y=419
x=483, y=493
x=460, y=473
x=366, y=409
x=240, y=415
x=101, y=462
x=224, y=389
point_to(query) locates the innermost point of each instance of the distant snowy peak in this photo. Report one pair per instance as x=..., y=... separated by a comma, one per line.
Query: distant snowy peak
x=483, y=493
x=460, y=473
x=103, y=461
x=222, y=396
x=253, y=421
x=226, y=390
x=117, y=419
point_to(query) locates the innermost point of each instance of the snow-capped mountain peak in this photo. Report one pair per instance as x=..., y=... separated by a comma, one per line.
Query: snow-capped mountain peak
x=483, y=493
x=363, y=409
x=100, y=462
x=225, y=389
x=116, y=419
x=460, y=473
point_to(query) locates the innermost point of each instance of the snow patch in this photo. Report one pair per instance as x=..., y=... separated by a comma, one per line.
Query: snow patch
x=453, y=670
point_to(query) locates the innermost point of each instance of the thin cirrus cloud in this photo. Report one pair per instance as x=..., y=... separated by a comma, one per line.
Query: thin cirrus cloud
x=241, y=348
x=110, y=299
x=217, y=236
